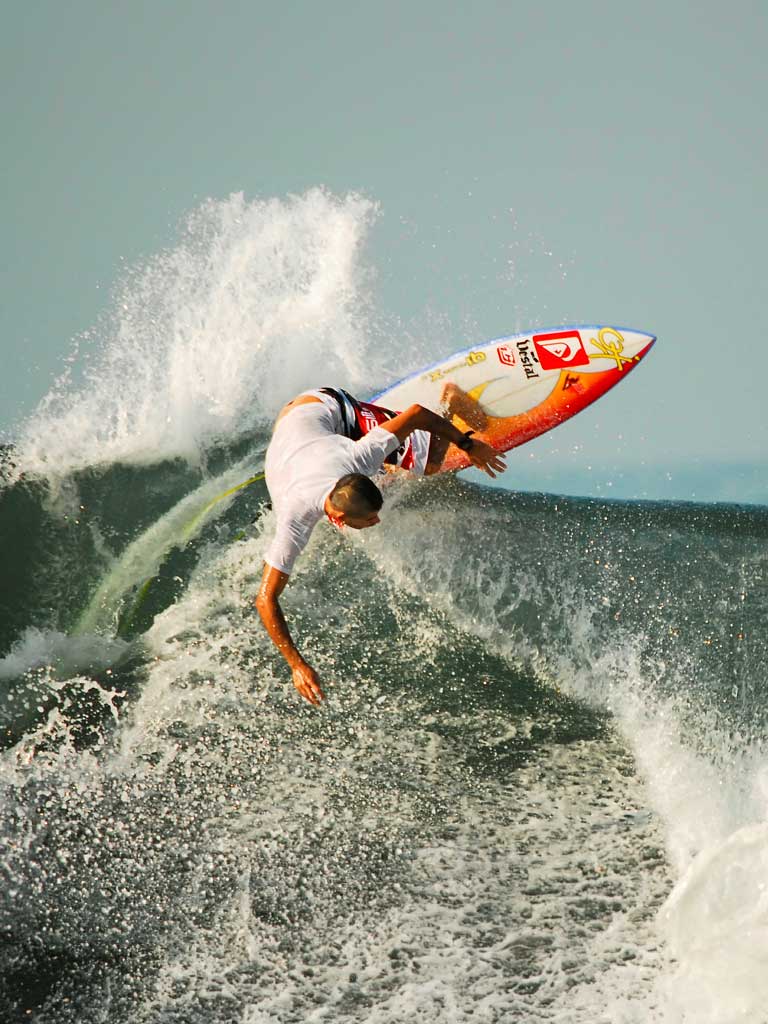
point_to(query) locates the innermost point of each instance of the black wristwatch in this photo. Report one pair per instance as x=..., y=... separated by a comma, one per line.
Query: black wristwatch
x=466, y=441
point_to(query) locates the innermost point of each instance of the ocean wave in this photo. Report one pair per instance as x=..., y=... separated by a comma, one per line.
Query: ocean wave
x=546, y=717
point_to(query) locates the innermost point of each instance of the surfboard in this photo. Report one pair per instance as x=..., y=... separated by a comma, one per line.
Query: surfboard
x=524, y=384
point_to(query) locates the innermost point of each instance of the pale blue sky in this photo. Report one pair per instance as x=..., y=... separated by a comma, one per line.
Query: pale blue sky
x=534, y=163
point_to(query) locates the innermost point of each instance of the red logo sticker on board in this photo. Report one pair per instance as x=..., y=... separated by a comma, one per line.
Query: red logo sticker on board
x=506, y=354
x=561, y=350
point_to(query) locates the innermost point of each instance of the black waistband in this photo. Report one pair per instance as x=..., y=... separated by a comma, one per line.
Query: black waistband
x=347, y=406
x=349, y=421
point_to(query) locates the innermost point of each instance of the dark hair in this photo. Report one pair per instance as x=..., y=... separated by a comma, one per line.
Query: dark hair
x=357, y=495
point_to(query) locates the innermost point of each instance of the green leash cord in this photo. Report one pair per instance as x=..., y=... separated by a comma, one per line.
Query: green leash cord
x=125, y=625
x=186, y=534
x=192, y=525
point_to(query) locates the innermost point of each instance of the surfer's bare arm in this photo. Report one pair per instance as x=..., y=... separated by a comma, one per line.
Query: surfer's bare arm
x=417, y=417
x=267, y=605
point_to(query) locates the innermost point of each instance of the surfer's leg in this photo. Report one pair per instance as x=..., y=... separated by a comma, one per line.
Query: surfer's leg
x=456, y=402
x=438, y=447
x=453, y=402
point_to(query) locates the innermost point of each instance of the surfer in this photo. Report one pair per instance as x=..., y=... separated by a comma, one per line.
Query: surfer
x=325, y=448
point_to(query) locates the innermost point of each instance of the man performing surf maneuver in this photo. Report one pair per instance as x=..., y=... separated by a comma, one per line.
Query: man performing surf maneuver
x=325, y=448
x=326, y=445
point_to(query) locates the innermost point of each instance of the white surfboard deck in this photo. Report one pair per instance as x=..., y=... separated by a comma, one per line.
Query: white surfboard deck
x=527, y=383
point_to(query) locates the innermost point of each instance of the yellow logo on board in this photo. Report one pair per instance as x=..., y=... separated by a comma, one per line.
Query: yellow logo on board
x=471, y=359
x=610, y=345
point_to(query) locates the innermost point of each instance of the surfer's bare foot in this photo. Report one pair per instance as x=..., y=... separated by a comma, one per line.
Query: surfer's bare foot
x=456, y=402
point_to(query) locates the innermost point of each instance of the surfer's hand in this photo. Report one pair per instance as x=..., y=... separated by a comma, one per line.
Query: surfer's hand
x=306, y=682
x=486, y=458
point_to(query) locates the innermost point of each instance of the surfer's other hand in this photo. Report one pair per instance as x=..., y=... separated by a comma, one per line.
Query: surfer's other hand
x=486, y=458
x=307, y=683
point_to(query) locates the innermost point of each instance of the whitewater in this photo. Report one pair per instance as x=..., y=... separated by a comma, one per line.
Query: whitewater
x=538, y=790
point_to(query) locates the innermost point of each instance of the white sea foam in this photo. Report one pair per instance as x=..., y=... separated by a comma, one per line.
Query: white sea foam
x=62, y=654
x=259, y=300
x=716, y=922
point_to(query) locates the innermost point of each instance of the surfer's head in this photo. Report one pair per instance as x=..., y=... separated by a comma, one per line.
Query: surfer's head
x=355, y=501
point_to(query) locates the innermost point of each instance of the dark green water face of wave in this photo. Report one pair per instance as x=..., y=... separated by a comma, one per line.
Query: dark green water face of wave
x=685, y=584
x=525, y=695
